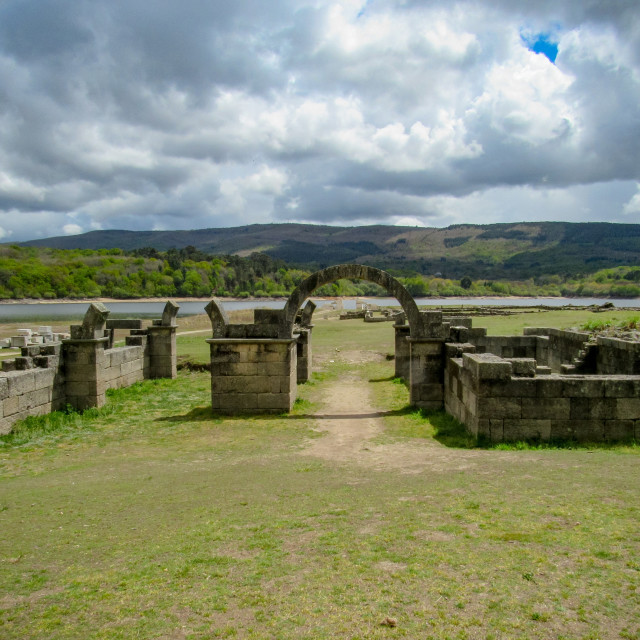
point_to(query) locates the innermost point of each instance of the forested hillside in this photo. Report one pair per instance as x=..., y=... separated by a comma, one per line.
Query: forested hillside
x=514, y=251
x=28, y=272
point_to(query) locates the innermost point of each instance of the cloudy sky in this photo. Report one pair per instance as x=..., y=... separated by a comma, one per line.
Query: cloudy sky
x=139, y=114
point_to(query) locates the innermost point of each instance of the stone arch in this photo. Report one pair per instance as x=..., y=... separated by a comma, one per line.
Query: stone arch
x=351, y=271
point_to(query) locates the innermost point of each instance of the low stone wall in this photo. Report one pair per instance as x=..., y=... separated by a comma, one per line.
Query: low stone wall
x=503, y=400
x=563, y=347
x=125, y=365
x=615, y=356
x=79, y=370
x=36, y=389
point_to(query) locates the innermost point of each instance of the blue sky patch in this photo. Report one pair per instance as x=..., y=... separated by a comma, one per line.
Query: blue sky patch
x=541, y=43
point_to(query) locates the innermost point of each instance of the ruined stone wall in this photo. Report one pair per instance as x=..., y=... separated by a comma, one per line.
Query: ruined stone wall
x=79, y=370
x=124, y=366
x=37, y=388
x=616, y=356
x=504, y=400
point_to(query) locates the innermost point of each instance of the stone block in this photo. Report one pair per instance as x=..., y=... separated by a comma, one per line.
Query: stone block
x=627, y=409
x=549, y=386
x=20, y=382
x=589, y=430
x=509, y=388
x=496, y=430
x=499, y=408
x=5, y=426
x=523, y=367
x=282, y=368
x=550, y=409
x=238, y=402
x=33, y=399
x=580, y=408
x=515, y=430
x=542, y=370
x=9, y=365
x=279, y=401
x=4, y=388
x=23, y=363
x=562, y=430
x=619, y=430
x=622, y=387
x=431, y=393
x=583, y=387
x=242, y=369
x=224, y=355
x=11, y=405
x=81, y=373
x=44, y=378
x=486, y=366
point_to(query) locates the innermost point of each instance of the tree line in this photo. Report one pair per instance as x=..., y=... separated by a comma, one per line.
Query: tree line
x=39, y=273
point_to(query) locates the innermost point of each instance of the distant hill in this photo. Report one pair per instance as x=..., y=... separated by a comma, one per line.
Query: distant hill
x=507, y=251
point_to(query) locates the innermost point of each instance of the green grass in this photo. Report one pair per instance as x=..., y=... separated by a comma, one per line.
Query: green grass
x=149, y=518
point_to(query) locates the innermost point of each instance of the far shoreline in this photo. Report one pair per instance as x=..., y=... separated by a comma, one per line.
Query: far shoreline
x=284, y=299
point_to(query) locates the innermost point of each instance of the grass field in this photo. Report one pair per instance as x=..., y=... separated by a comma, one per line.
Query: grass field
x=151, y=518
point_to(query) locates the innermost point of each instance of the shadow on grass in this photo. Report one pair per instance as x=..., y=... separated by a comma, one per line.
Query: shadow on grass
x=451, y=433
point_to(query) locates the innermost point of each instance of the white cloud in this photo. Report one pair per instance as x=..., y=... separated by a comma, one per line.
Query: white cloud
x=72, y=229
x=337, y=111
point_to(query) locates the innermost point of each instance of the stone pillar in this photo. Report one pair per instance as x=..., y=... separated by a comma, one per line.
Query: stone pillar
x=163, y=354
x=426, y=380
x=163, y=357
x=84, y=362
x=402, y=359
x=253, y=375
x=426, y=354
x=304, y=355
x=84, y=359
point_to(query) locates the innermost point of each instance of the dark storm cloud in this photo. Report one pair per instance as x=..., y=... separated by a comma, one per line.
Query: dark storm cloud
x=195, y=114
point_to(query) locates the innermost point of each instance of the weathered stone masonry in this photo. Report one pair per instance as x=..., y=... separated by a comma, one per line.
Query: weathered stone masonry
x=546, y=384
x=78, y=371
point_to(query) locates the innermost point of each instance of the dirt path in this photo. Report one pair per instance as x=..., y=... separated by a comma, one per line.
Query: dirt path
x=350, y=422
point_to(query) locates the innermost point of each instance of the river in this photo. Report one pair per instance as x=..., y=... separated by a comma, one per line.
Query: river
x=53, y=310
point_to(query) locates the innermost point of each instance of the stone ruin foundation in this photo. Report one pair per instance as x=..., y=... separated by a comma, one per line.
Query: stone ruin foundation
x=545, y=385
x=78, y=370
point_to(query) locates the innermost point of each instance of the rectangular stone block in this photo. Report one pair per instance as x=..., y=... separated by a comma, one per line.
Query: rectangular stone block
x=273, y=368
x=4, y=388
x=238, y=402
x=237, y=369
x=515, y=430
x=589, y=430
x=224, y=355
x=81, y=373
x=523, y=367
x=549, y=386
x=486, y=366
x=550, y=409
x=20, y=382
x=627, y=409
x=499, y=408
x=33, y=399
x=279, y=401
x=583, y=387
x=619, y=430
x=512, y=387
x=43, y=378
x=11, y=405
x=562, y=430
x=496, y=427
x=622, y=387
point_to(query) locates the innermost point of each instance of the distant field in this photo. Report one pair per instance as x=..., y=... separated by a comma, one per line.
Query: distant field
x=151, y=518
